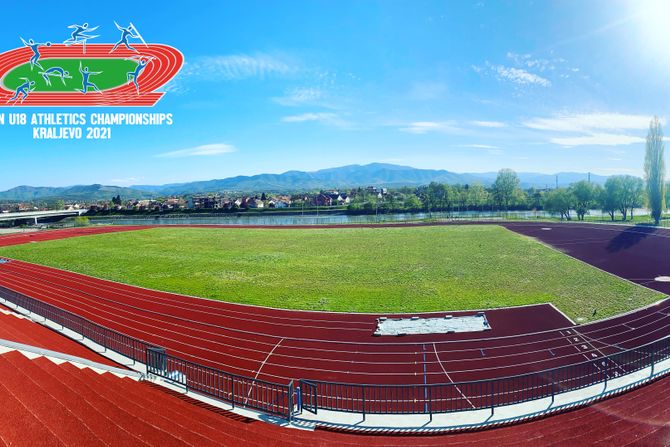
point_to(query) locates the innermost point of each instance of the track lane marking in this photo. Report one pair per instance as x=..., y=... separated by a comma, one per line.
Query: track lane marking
x=448, y=377
x=261, y=367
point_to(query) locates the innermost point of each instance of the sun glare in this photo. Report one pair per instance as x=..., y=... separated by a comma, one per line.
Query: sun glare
x=654, y=21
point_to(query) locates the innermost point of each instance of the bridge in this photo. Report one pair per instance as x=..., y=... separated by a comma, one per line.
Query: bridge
x=34, y=216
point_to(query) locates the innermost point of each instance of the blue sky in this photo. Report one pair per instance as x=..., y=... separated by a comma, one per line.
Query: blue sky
x=467, y=86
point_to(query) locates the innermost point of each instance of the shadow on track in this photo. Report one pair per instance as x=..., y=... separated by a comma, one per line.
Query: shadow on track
x=629, y=237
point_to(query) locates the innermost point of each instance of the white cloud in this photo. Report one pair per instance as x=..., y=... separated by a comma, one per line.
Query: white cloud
x=240, y=66
x=526, y=69
x=449, y=126
x=592, y=129
x=231, y=67
x=206, y=150
x=422, y=127
x=329, y=118
x=299, y=96
x=480, y=146
x=534, y=63
x=493, y=124
x=519, y=76
x=600, y=139
x=589, y=122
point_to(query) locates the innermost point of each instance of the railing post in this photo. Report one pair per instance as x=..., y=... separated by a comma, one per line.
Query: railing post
x=492, y=382
x=553, y=385
x=363, y=399
x=232, y=391
x=298, y=397
x=430, y=402
x=290, y=401
x=607, y=372
x=315, y=397
x=652, y=362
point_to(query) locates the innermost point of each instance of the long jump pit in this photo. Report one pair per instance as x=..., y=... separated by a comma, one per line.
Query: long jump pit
x=432, y=325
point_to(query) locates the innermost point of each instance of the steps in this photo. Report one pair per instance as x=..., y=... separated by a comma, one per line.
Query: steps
x=44, y=403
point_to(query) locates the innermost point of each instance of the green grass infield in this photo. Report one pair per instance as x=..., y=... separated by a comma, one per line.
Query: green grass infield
x=348, y=269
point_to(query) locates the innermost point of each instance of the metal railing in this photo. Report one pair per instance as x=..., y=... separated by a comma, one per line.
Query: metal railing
x=125, y=345
x=285, y=400
x=477, y=395
x=268, y=397
x=272, y=398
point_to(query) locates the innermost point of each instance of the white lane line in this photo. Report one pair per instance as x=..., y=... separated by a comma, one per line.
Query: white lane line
x=251, y=388
x=266, y=358
x=447, y=374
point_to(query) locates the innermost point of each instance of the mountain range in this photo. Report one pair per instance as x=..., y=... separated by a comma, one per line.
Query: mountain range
x=377, y=174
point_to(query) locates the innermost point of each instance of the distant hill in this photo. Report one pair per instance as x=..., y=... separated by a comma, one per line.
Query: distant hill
x=377, y=174
x=78, y=192
x=343, y=177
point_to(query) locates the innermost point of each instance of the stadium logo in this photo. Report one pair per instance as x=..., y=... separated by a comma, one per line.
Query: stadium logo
x=78, y=72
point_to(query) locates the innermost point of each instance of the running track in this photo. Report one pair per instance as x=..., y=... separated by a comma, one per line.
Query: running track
x=280, y=345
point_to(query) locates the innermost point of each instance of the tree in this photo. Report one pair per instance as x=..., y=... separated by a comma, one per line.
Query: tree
x=506, y=187
x=559, y=201
x=535, y=198
x=437, y=196
x=609, y=198
x=412, y=202
x=654, y=169
x=116, y=200
x=585, y=196
x=477, y=196
x=632, y=190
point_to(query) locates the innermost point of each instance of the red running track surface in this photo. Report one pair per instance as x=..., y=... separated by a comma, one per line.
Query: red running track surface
x=23, y=330
x=51, y=404
x=636, y=253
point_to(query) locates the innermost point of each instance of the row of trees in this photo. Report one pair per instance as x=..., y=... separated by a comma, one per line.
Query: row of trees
x=621, y=193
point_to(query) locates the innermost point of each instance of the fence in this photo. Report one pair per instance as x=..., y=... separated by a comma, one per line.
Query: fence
x=268, y=397
x=477, y=395
x=130, y=347
x=285, y=400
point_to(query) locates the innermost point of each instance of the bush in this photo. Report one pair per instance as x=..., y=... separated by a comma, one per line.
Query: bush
x=81, y=221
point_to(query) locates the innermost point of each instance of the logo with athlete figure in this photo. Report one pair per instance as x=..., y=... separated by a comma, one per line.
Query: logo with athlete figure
x=129, y=72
